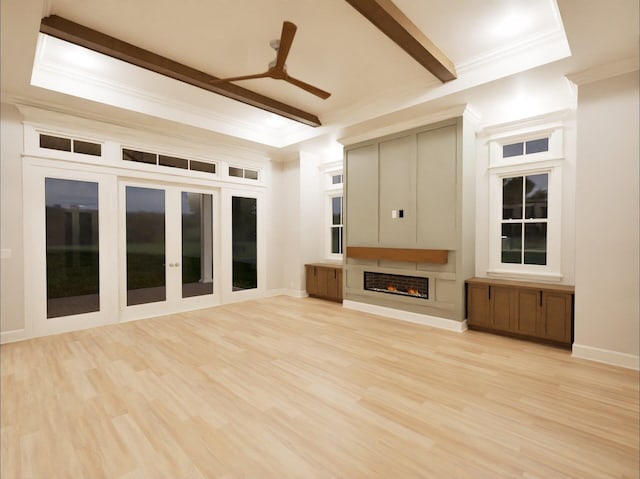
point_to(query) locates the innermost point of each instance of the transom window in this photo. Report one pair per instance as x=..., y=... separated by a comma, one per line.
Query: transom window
x=525, y=199
x=525, y=147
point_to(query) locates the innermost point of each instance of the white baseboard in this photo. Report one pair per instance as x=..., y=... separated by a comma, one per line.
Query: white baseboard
x=606, y=356
x=12, y=336
x=296, y=293
x=424, y=319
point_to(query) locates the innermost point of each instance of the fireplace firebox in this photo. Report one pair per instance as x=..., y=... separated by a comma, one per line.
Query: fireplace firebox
x=412, y=286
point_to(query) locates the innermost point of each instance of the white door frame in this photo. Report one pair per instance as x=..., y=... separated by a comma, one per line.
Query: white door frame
x=174, y=302
x=228, y=295
x=36, y=322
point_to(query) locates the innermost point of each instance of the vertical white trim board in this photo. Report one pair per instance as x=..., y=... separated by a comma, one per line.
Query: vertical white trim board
x=606, y=356
x=424, y=319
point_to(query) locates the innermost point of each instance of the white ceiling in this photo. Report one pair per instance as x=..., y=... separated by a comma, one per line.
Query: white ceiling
x=335, y=48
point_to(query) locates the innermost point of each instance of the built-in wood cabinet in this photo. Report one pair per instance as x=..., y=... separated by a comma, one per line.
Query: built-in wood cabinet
x=324, y=281
x=524, y=309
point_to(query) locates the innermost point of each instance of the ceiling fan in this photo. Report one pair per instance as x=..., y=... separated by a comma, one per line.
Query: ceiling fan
x=277, y=68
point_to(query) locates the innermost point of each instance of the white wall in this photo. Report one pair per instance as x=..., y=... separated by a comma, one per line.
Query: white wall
x=607, y=287
x=12, y=276
x=289, y=248
x=301, y=200
x=312, y=212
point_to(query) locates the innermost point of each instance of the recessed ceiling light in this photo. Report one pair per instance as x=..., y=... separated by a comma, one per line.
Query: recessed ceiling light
x=511, y=25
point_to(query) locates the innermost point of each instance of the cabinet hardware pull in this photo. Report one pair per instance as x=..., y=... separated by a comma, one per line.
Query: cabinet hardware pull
x=489, y=293
x=540, y=298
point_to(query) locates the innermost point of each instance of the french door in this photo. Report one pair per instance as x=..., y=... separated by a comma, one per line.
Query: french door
x=168, y=259
x=70, y=250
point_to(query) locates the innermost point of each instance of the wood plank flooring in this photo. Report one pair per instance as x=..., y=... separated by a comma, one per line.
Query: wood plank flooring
x=301, y=388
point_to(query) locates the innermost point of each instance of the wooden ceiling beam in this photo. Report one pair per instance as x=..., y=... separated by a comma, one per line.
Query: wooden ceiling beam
x=86, y=37
x=389, y=19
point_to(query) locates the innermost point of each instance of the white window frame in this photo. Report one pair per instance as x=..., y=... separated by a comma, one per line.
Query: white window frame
x=333, y=191
x=549, y=162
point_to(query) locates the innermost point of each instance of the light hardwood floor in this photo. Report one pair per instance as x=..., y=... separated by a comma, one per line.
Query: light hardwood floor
x=301, y=388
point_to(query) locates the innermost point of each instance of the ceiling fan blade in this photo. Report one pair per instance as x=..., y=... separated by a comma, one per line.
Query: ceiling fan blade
x=305, y=86
x=286, y=39
x=245, y=77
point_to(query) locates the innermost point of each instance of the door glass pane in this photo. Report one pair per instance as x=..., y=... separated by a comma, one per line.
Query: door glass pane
x=535, y=243
x=536, y=195
x=73, y=284
x=512, y=243
x=512, y=198
x=197, y=244
x=245, y=247
x=145, y=245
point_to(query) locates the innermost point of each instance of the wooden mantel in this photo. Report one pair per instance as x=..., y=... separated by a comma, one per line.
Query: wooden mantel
x=434, y=256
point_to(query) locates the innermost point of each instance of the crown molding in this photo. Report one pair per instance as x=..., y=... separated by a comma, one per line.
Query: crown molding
x=602, y=72
x=453, y=112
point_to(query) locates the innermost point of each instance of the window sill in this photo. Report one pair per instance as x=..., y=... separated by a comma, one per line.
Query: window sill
x=524, y=275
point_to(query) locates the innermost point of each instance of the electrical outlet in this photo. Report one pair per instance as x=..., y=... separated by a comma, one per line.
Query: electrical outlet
x=394, y=214
x=401, y=214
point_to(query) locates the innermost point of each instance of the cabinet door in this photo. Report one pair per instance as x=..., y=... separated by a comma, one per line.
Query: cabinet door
x=311, y=279
x=322, y=276
x=555, y=318
x=478, y=312
x=501, y=307
x=332, y=284
x=527, y=311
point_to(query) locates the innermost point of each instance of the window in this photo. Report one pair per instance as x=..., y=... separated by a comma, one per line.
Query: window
x=524, y=219
x=525, y=147
x=525, y=196
x=243, y=173
x=64, y=144
x=169, y=161
x=336, y=225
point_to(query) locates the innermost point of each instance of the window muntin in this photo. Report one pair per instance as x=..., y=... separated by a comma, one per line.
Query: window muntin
x=524, y=219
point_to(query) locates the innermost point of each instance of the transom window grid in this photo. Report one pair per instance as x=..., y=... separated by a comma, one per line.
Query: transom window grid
x=245, y=173
x=169, y=161
x=72, y=145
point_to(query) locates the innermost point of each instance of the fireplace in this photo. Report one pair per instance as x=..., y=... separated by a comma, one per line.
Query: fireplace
x=412, y=286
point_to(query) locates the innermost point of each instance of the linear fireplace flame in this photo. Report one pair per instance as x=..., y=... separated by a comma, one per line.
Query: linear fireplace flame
x=414, y=286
